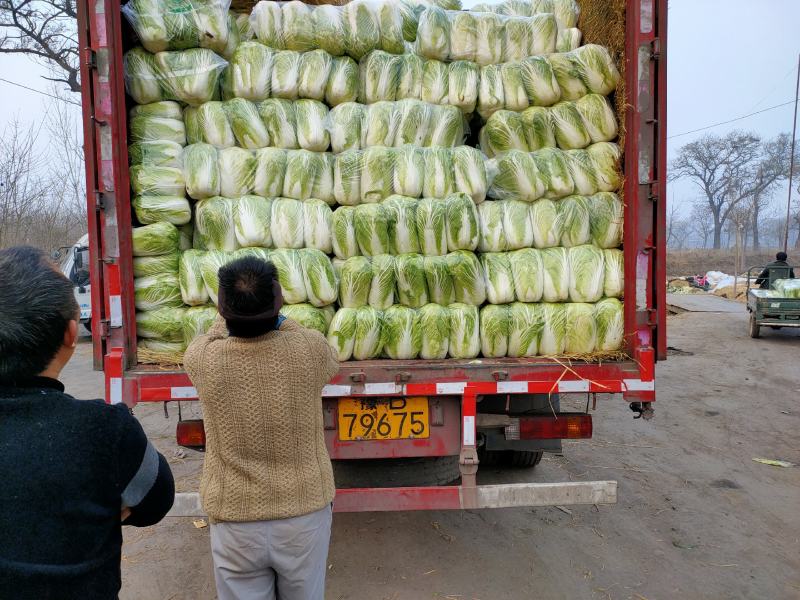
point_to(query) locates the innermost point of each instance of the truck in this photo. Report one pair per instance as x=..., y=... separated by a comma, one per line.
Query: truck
x=75, y=266
x=461, y=413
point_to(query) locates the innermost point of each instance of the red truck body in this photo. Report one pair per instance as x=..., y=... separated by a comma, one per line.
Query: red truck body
x=454, y=388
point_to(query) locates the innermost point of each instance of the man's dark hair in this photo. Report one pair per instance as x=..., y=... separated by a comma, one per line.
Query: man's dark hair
x=36, y=304
x=247, y=289
x=781, y=256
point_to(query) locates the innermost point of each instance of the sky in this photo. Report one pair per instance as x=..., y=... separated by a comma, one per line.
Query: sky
x=726, y=58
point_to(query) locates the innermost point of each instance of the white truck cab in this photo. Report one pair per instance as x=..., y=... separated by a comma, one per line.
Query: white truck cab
x=75, y=266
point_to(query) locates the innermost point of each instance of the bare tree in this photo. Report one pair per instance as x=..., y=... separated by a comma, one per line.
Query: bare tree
x=45, y=30
x=702, y=223
x=773, y=167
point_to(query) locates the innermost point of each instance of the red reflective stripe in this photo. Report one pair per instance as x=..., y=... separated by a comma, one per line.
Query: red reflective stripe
x=385, y=499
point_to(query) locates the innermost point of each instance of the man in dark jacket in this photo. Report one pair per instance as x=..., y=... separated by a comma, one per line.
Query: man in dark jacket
x=778, y=269
x=71, y=472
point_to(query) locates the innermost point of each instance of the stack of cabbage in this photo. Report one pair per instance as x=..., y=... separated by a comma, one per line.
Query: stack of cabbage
x=332, y=143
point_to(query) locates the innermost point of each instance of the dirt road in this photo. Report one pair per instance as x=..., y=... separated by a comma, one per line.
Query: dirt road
x=696, y=518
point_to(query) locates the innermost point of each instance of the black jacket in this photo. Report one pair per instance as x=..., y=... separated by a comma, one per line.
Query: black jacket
x=66, y=469
x=783, y=272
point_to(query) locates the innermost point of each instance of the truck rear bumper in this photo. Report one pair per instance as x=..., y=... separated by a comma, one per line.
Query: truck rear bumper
x=454, y=497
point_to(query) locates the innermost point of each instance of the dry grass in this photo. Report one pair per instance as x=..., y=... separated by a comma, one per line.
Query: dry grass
x=681, y=263
x=168, y=360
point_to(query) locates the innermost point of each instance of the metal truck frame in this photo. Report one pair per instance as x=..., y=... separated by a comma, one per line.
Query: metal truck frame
x=455, y=388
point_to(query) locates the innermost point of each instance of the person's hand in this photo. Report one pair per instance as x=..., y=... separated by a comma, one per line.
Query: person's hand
x=124, y=514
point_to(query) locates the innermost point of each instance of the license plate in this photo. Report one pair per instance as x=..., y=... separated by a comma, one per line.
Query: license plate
x=396, y=419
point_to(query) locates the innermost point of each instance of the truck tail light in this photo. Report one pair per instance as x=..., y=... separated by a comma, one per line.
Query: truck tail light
x=191, y=433
x=548, y=427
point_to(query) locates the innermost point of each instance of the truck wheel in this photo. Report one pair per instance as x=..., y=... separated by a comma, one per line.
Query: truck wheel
x=755, y=328
x=396, y=472
x=513, y=458
x=525, y=458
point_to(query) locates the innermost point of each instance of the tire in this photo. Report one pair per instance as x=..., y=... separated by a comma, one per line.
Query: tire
x=511, y=458
x=755, y=328
x=526, y=458
x=396, y=472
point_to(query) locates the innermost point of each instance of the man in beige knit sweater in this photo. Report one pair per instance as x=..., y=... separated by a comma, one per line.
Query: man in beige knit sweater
x=267, y=481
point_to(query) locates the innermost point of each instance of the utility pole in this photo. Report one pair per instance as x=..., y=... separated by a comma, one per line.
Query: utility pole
x=791, y=161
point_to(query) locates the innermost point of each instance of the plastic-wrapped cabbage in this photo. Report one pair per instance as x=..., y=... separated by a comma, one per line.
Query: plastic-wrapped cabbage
x=249, y=73
x=315, y=67
x=463, y=80
x=318, y=221
x=581, y=328
x=409, y=83
x=435, y=82
x=323, y=183
x=787, y=288
x=259, y=253
x=553, y=329
x=412, y=287
x=381, y=124
x=538, y=127
x=156, y=154
x=568, y=39
x=606, y=215
x=287, y=222
x=528, y=273
x=311, y=132
x=320, y=281
x=303, y=168
x=141, y=77
x=215, y=225
x=610, y=322
x=439, y=180
x=465, y=338
x=598, y=117
x=463, y=36
x=162, y=323
x=574, y=219
x=201, y=171
x=469, y=284
x=329, y=29
x=362, y=28
x=347, y=169
x=253, y=218
x=185, y=235
x=266, y=19
x=190, y=76
x=402, y=335
x=368, y=334
x=237, y=169
x=605, y=158
x=495, y=322
x=555, y=274
x=210, y=264
x=517, y=177
x=463, y=230
x=355, y=282
x=409, y=13
x=504, y=131
x=291, y=275
x=491, y=93
x=150, y=129
x=547, y=223
x=413, y=123
x=431, y=215
x=614, y=277
x=298, y=27
x=270, y=172
x=155, y=240
x=307, y=316
x=286, y=75
x=515, y=94
x=372, y=229
x=599, y=70
x=544, y=34
x=208, y=123
x=379, y=75
x=568, y=125
x=381, y=291
x=247, y=127
x=157, y=181
x=587, y=273
x=498, y=277
x=447, y=128
x=517, y=224
x=348, y=126
x=491, y=39
x=409, y=171
x=401, y=213
x=469, y=172
x=554, y=171
x=540, y=81
x=377, y=177
x=246, y=32
x=157, y=291
x=343, y=81
x=234, y=37
x=169, y=350
x=145, y=266
x=344, y=240
x=434, y=325
x=166, y=109
x=197, y=320
x=569, y=73
x=391, y=27
x=152, y=209
x=490, y=219
x=190, y=276
x=582, y=170
x=518, y=39
x=342, y=333
x=526, y=322
x=439, y=280
x=433, y=34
